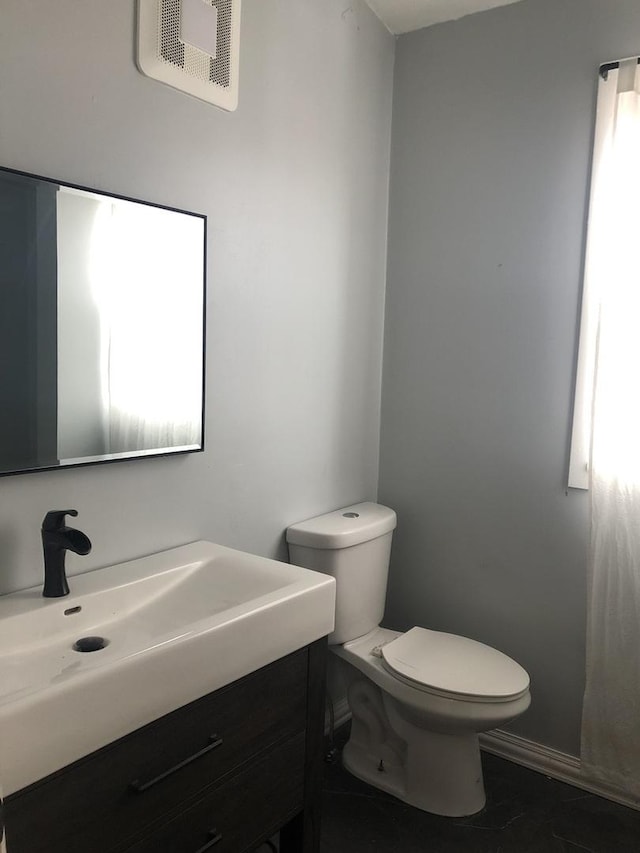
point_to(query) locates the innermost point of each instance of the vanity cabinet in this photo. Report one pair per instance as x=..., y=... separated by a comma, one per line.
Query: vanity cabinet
x=223, y=773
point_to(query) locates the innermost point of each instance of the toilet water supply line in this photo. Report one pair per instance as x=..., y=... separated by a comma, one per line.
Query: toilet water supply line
x=332, y=753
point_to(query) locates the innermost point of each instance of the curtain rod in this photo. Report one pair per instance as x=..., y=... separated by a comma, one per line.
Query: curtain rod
x=609, y=66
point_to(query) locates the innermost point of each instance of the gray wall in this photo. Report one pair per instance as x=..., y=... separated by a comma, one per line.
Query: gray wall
x=490, y=156
x=492, y=131
x=295, y=184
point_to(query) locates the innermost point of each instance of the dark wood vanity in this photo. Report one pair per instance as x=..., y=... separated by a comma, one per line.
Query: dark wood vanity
x=223, y=773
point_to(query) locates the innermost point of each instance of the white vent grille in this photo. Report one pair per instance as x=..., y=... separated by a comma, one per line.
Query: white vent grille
x=165, y=55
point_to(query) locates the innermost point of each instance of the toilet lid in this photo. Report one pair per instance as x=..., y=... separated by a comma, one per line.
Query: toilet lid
x=451, y=664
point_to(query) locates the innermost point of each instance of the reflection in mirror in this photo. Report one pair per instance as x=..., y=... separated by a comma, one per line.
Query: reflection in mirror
x=101, y=326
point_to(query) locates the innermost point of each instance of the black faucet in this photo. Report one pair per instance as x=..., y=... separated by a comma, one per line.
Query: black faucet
x=57, y=539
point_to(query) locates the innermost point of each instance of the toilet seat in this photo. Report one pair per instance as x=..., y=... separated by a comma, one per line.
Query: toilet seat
x=446, y=712
x=453, y=667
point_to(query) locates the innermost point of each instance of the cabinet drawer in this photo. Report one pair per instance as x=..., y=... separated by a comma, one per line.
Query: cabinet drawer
x=239, y=814
x=95, y=804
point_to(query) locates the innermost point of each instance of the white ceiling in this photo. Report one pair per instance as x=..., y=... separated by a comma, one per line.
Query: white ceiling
x=402, y=16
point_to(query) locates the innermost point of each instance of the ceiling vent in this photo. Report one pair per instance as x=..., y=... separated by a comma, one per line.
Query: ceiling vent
x=192, y=45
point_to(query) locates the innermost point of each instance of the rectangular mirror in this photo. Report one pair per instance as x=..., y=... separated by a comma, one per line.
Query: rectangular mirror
x=102, y=303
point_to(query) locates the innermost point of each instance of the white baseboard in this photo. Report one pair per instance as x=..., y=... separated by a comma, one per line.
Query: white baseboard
x=551, y=762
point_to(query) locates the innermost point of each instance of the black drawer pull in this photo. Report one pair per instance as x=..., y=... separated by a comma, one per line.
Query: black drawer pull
x=140, y=787
x=215, y=836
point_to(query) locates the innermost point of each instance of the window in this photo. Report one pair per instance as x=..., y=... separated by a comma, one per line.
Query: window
x=606, y=424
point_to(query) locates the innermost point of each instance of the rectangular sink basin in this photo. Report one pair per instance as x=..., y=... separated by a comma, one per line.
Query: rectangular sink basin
x=166, y=629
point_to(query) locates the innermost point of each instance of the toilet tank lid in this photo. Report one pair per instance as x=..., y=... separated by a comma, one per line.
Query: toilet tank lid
x=344, y=527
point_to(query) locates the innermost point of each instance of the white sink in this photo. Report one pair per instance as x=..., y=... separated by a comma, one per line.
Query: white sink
x=178, y=625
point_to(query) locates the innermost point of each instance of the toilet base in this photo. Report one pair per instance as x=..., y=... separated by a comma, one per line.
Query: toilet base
x=438, y=773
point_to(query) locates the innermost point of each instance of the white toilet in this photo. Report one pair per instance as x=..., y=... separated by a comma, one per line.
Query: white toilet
x=418, y=699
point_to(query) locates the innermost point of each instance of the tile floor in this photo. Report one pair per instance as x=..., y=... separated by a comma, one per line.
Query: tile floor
x=525, y=813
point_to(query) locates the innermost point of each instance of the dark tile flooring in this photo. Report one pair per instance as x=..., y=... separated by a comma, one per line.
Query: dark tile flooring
x=526, y=812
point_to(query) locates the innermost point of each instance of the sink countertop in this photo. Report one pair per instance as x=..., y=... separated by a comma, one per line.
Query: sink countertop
x=179, y=625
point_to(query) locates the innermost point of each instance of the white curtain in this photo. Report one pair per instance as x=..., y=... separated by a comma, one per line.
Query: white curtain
x=147, y=273
x=610, y=750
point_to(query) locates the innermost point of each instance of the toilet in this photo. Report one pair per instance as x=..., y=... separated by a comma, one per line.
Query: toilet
x=418, y=699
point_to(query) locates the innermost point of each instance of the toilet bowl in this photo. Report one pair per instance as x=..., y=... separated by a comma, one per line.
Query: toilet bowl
x=438, y=768
x=418, y=699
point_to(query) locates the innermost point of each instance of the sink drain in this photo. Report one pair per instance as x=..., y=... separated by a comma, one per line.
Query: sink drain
x=90, y=644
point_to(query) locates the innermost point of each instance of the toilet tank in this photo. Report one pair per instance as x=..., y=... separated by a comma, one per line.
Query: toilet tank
x=353, y=545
